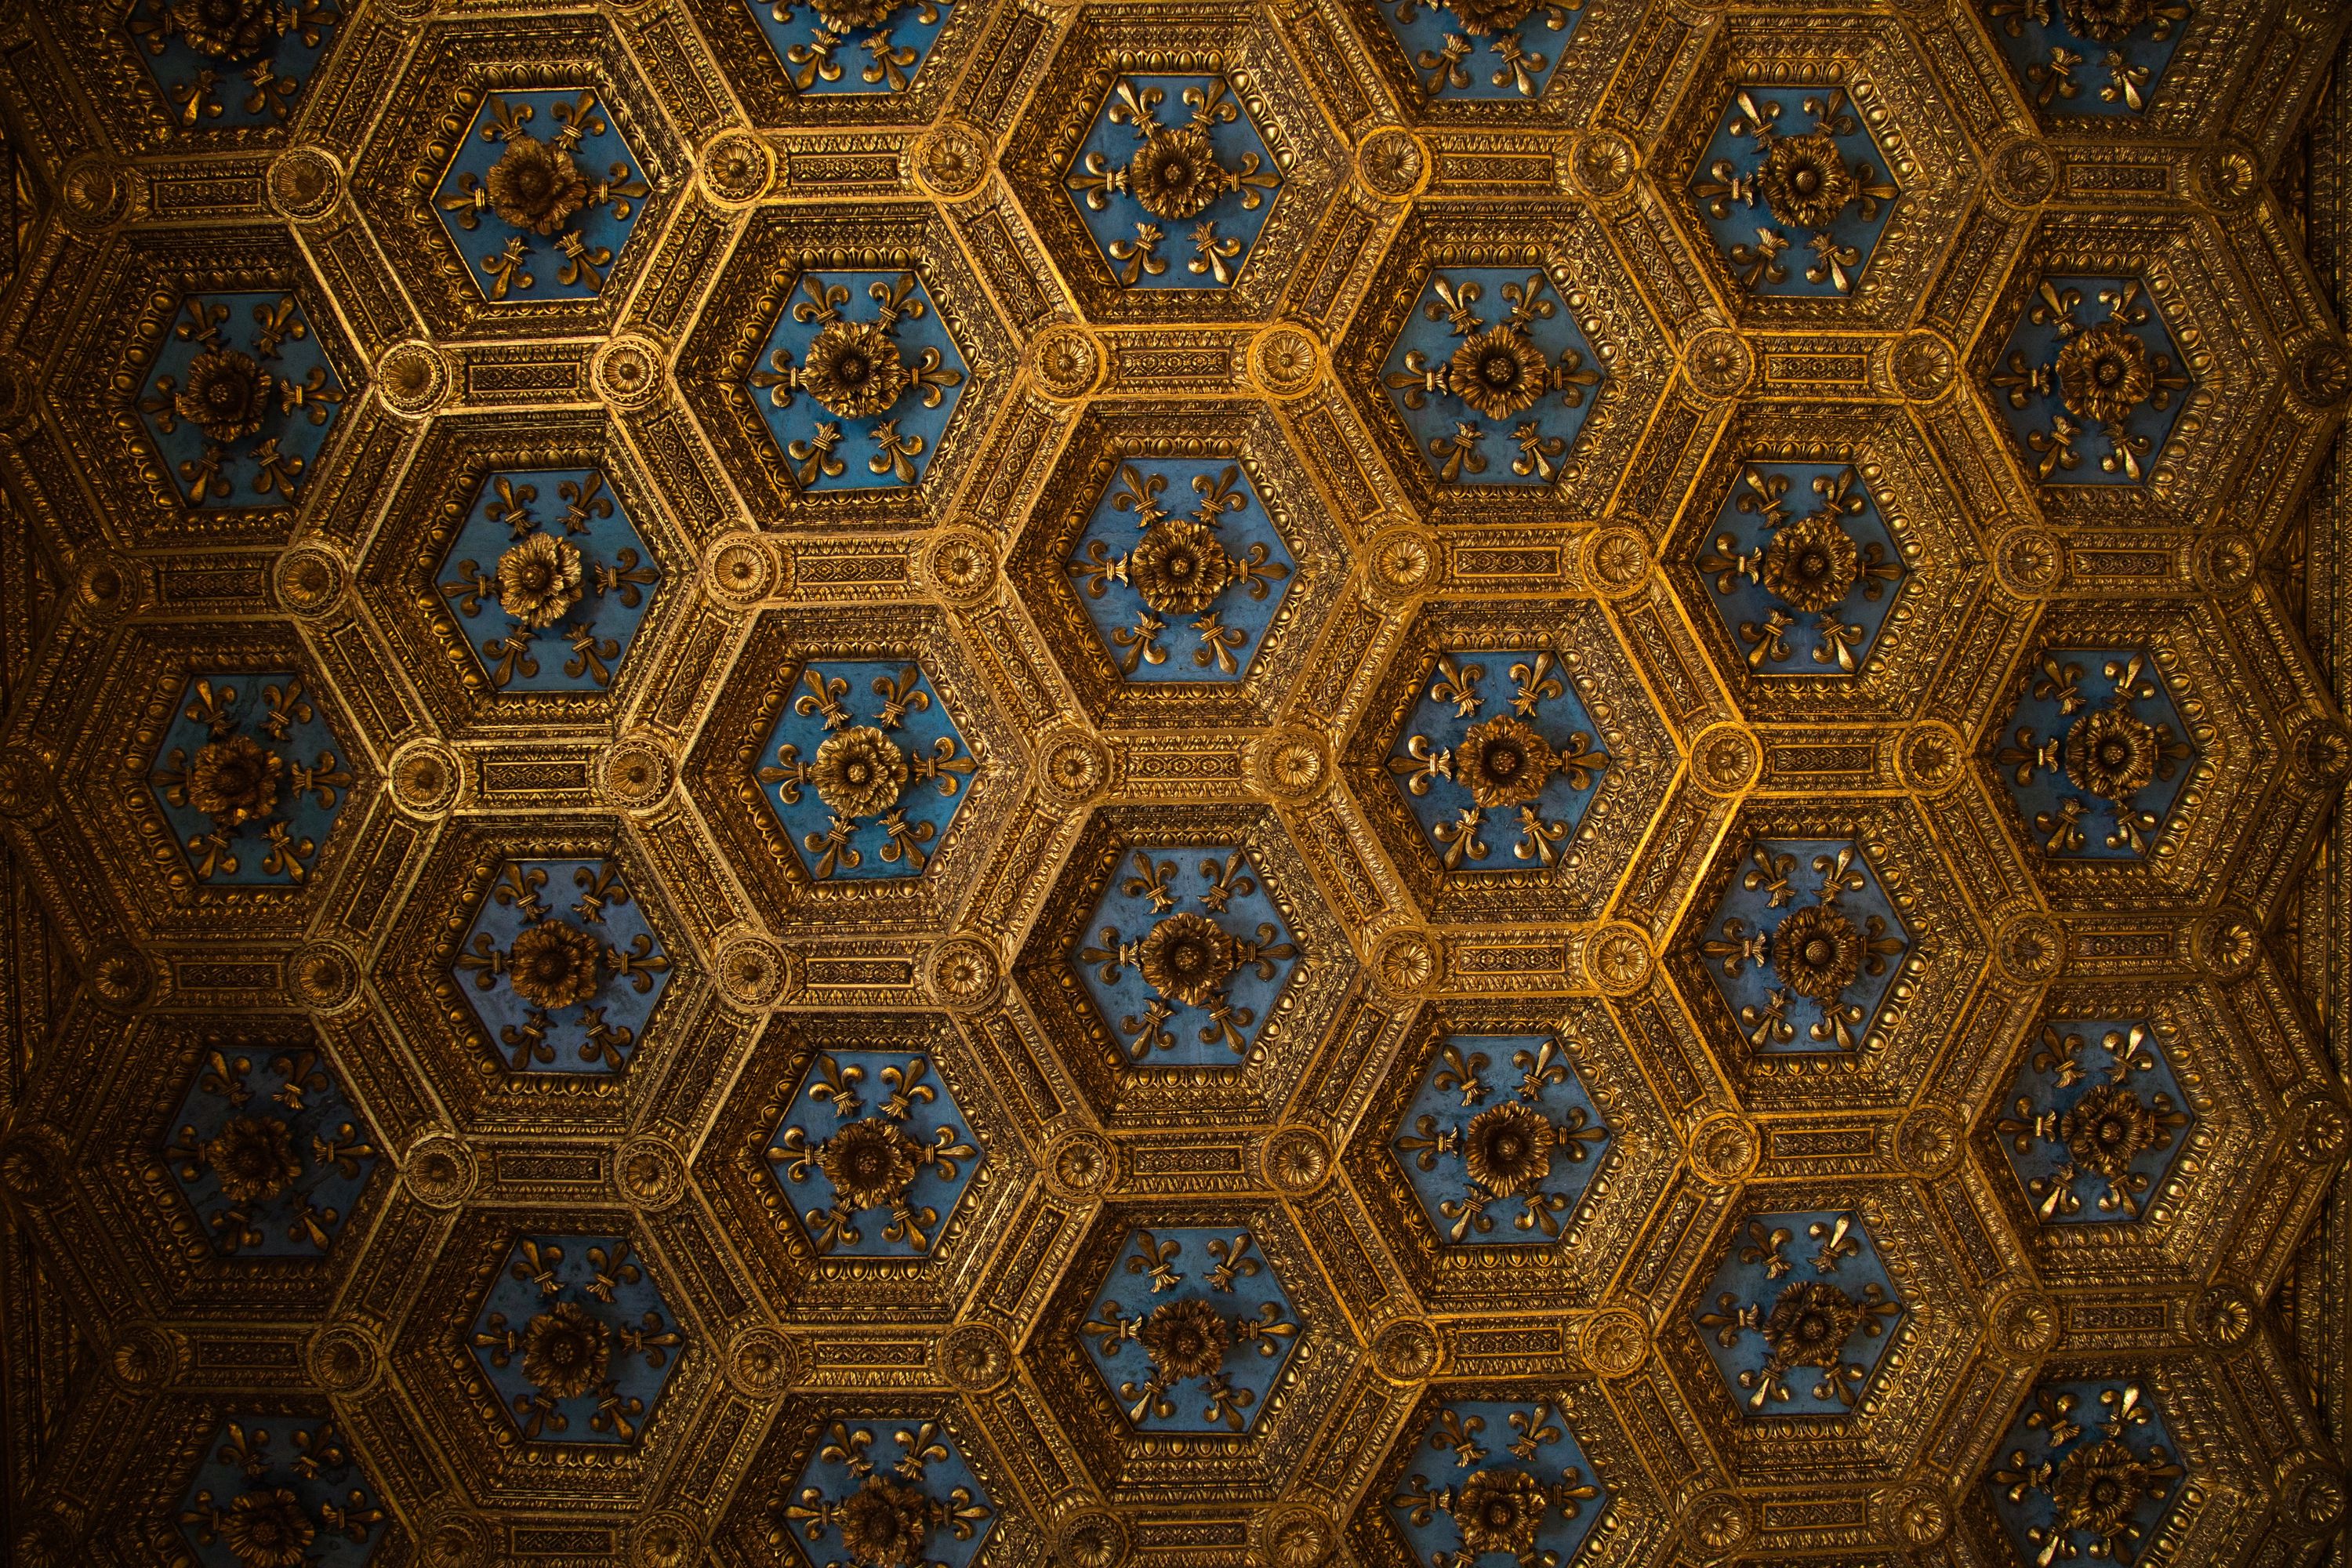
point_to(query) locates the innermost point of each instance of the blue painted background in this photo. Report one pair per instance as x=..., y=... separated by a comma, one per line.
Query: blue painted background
x=1424, y=29
x=2040, y=715
x=1509, y=1071
x=819, y=1113
x=263, y=87
x=1557, y=719
x=2026, y=390
x=636, y=1307
x=310, y=743
x=1746, y=155
x=2086, y=1412
x=1749, y=602
x=1118, y=607
x=1234, y=141
x=1195, y=1039
x=614, y=917
x=244, y=322
x=1557, y=416
x=1465, y=1438
x=2052, y=1079
x=795, y=418
x=1247, y=1295
x=1751, y=984
x=307, y=1456
x=1749, y=1281
x=602, y=156
x=913, y=1451
x=2101, y=74
x=922, y=801
x=295, y=1087
x=818, y=61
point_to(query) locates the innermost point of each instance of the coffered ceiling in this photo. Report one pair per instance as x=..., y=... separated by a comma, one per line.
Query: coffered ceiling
x=987, y=782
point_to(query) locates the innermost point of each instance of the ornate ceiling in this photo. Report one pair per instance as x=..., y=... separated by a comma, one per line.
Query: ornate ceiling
x=977, y=782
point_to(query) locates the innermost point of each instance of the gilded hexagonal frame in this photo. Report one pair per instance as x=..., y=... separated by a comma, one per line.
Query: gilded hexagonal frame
x=146, y=277
x=1944, y=558
x=1196, y=37
x=720, y=770
x=1644, y=759
x=1922, y=1365
x=1634, y=1174
x=1126, y=1094
x=1565, y=241
x=416, y=981
x=1932, y=1011
x=1110, y=434
x=1325, y=1364
x=455, y=66
x=755, y=287
x=736, y=1178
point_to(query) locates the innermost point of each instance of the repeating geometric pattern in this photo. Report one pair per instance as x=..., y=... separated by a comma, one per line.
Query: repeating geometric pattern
x=1165, y=784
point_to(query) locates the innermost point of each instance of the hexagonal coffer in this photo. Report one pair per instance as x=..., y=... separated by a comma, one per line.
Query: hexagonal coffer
x=1183, y=954
x=573, y=1342
x=271, y=1156
x=1189, y=1329
x=280, y=1486
x=251, y=778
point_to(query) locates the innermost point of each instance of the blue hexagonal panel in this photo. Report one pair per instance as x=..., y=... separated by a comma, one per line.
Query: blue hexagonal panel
x=2087, y=1472
x=1190, y=1330
x=548, y=552
x=268, y=1152
x=1503, y=50
x=2088, y=56
x=1794, y=191
x=1513, y=1482
x=1499, y=730
x=1209, y=581
x=1804, y=945
x=2094, y=754
x=560, y=967
x=2090, y=382
x=856, y=381
x=1174, y=182
x=541, y=194
x=232, y=65
x=250, y=777
x=2094, y=1122
x=239, y=398
x=1494, y=354
x=851, y=46
x=872, y=1154
x=866, y=769
x=1799, y=1314
x=1502, y=1127
x=281, y=1489
x=887, y=1490
x=575, y=1341
x=1802, y=568
x=1186, y=955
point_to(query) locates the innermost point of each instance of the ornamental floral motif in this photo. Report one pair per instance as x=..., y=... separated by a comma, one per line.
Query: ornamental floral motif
x=575, y=1340
x=239, y=399
x=1221, y=571
x=549, y=552
x=2095, y=1122
x=510, y=197
x=1794, y=169
x=1483, y=49
x=2088, y=1471
x=2091, y=400
x=1514, y=1480
x=1804, y=568
x=870, y=1153
x=280, y=1491
x=1805, y=946
x=1136, y=179
x=244, y=805
x=870, y=769
x=1210, y=1326
x=2089, y=56
x=1505, y=731
x=841, y=47
x=268, y=1151
x=1503, y=1127
x=854, y=1506
x=1798, y=1316
x=557, y=986
x=232, y=63
x=2095, y=754
x=827, y=379
x=1532, y=373
x=1186, y=986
